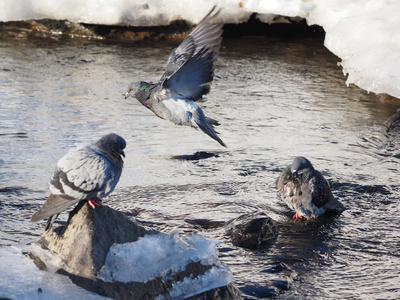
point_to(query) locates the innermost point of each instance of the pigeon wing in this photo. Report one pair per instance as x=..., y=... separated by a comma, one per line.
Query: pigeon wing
x=321, y=192
x=190, y=68
x=178, y=57
x=83, y=173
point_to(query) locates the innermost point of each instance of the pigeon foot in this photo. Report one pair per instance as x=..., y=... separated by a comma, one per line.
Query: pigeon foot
x=93, y=202
x=297, y=217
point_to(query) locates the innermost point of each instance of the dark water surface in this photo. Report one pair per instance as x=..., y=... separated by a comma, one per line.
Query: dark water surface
x=275, y=99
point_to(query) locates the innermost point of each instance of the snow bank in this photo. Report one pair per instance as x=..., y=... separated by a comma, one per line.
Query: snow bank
x=363, y=33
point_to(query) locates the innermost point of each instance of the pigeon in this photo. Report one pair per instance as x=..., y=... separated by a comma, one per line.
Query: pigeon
x=305, y=190
x=187, y=77
x=88, y=172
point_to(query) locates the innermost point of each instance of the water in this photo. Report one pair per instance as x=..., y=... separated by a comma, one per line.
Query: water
x=275, y=99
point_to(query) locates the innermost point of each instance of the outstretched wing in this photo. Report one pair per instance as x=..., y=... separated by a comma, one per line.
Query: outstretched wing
x=190, y=67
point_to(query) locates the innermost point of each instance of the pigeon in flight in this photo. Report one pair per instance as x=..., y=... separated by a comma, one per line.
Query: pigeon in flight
x=188, y=76
x=305, y=190
x=87, y=172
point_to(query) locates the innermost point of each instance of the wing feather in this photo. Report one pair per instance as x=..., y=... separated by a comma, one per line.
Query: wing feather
x=190, y=67
x=82, y=173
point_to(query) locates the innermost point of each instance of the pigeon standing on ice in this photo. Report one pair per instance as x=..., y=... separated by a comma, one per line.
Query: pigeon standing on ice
x=87, y=172
x=305, y=190
x=188, y=76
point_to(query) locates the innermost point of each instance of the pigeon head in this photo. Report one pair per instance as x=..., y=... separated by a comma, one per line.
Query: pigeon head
x=112, y=143
x=139, y=90
x=301, y=165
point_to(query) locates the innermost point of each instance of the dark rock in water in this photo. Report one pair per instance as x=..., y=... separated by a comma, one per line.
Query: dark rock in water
x=83, y=245
x=252, y=231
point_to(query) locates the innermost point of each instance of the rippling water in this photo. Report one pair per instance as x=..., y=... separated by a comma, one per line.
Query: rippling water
x=275, y=99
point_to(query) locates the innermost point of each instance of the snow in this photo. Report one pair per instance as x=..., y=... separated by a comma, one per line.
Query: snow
x=363, y=33
x=21, y=279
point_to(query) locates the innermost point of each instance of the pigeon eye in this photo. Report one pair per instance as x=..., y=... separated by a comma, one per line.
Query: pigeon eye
x=131, y=89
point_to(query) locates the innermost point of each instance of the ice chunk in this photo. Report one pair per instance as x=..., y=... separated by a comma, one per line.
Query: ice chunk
x=217, y=276
x=154, y=255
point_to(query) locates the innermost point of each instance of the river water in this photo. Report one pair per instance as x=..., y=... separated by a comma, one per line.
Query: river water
x=276, y=98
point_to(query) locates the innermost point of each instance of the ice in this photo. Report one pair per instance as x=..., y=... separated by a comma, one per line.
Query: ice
x=154, y=255
x=21, y=279
x=363, y=33
x=217, y=276
x=164, y=255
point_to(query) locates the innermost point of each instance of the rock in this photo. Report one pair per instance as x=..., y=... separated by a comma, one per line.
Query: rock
x=252, y=231
x=83, y=244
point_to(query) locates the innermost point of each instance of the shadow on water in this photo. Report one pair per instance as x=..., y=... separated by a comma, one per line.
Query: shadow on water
x=196, y=156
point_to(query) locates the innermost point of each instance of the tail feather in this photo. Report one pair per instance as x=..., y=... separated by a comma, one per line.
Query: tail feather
x=212, y=122
x=53, y=206
x=207, y=129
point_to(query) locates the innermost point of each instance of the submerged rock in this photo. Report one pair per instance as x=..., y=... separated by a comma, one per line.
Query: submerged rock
x=82, y=248
x=252, y=231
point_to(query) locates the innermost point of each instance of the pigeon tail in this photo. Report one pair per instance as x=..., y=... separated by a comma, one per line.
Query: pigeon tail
x=207, y=129
x=53, y=205
x=212, y=122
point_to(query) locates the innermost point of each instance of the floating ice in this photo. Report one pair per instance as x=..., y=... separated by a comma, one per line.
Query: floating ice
x=154, y=255
x=363, y=33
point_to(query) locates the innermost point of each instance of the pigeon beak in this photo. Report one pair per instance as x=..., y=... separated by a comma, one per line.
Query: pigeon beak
x=122, y=153
x=128, y=93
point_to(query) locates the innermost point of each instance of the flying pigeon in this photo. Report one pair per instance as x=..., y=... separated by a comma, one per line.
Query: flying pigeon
x=305, y=190
x=88, y=172
x=188, y=76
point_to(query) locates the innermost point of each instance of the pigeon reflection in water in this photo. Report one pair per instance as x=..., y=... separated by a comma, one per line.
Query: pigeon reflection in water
x=87, y=172
x=188, y=76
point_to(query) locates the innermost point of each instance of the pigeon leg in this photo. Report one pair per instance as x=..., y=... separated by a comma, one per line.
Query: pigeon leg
x=296, y=216
x=93, y=202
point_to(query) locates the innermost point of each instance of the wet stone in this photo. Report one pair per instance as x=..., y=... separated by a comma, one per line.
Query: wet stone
x=252, y=231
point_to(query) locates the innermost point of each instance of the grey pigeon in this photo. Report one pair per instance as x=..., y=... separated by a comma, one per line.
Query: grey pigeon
x=188, y=76
x=88, y=172
x=305, y=190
